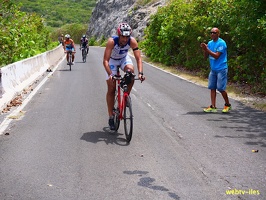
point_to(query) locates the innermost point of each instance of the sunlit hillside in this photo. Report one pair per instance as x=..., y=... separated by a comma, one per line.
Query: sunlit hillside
x=59, y=12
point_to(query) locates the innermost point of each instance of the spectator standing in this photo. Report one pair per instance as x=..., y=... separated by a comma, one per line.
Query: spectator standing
x=216, y=51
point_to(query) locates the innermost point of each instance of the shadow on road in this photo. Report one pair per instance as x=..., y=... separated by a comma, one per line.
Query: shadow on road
x=107, y=136
x=150, y=183
x=246, y=122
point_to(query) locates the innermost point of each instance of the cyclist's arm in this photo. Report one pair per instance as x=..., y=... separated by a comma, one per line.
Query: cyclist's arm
x=107, y=54
x=137, y=55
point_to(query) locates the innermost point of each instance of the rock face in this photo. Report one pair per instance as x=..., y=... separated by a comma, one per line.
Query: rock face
x=107, y=14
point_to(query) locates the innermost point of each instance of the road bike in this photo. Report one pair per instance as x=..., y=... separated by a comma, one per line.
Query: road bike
x=123, y=104
x=69, y=61
x=84, y=54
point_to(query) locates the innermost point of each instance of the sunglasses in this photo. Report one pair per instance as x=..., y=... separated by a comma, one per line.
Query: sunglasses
x=213, y=32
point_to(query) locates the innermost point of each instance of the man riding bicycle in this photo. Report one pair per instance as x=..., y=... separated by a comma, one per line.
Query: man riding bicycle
x=84, y=43
x=69, y=45
x=116, y=54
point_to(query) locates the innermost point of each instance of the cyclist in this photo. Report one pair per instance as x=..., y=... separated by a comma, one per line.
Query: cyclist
x=69, y=45
x=84, y=42
x=116, y=54
x=61, y=39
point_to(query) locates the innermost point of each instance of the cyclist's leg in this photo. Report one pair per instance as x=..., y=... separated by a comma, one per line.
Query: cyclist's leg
x=67, y=55
x=110, y=95
x=111, y=87
x=127, y=64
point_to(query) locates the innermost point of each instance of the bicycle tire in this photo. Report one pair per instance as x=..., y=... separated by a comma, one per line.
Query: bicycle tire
x=84, y=55
x=116, y=114
x=128, y=119
x=69, y=63
x=70, y=60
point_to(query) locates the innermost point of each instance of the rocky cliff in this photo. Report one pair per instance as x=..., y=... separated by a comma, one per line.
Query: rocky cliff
x=107, y=14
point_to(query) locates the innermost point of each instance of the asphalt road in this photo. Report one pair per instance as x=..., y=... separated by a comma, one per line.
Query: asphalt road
x=60, y=147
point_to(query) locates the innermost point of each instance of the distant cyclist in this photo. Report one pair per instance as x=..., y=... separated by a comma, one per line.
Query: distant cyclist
x=116, y=54
x=84, y=43
x=69, y=45
x=61, y=39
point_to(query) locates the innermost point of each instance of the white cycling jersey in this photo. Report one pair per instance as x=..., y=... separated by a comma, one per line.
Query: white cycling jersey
x=119, y=52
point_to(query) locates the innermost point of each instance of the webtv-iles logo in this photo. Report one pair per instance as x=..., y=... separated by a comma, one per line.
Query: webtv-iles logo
x=242, y=192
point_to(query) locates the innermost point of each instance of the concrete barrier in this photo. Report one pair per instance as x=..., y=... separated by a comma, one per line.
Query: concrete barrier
x=20, y=75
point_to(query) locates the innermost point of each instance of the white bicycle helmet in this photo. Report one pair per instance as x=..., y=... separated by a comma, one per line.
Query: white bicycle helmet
x=67, y=36
x=124, y=29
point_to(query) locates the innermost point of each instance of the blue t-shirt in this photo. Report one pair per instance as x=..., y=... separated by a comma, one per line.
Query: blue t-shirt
x=218, y=46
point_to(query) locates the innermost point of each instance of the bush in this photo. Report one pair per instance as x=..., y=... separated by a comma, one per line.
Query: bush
x=176, y=31
x=74, y=30
x=22, y=35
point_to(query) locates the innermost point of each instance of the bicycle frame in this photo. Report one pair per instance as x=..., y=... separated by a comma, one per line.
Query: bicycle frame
x=123, y=104
x=121, y=99
x=69, y=56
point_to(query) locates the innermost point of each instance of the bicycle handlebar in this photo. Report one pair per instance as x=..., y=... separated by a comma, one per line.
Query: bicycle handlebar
x=69, y=51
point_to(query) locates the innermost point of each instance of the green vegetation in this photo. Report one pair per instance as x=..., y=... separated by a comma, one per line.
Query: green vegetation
x=22, y=35
x=61, y=17
x=58, y=13
x=176, y=31
x=74, y=30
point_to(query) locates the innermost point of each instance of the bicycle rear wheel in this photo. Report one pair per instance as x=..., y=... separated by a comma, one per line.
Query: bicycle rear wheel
x=116, y=114
x=128, y=119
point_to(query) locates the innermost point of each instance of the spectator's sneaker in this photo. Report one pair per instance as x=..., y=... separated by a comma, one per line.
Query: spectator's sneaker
x=112, y=124
x=227, y=107
x=210, y=109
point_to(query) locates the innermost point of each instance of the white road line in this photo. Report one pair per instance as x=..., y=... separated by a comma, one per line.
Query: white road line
x=150, y=106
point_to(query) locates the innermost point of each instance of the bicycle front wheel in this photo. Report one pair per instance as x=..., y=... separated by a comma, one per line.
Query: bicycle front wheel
x=128, y=119
x=70, y=61
x=84, y=55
